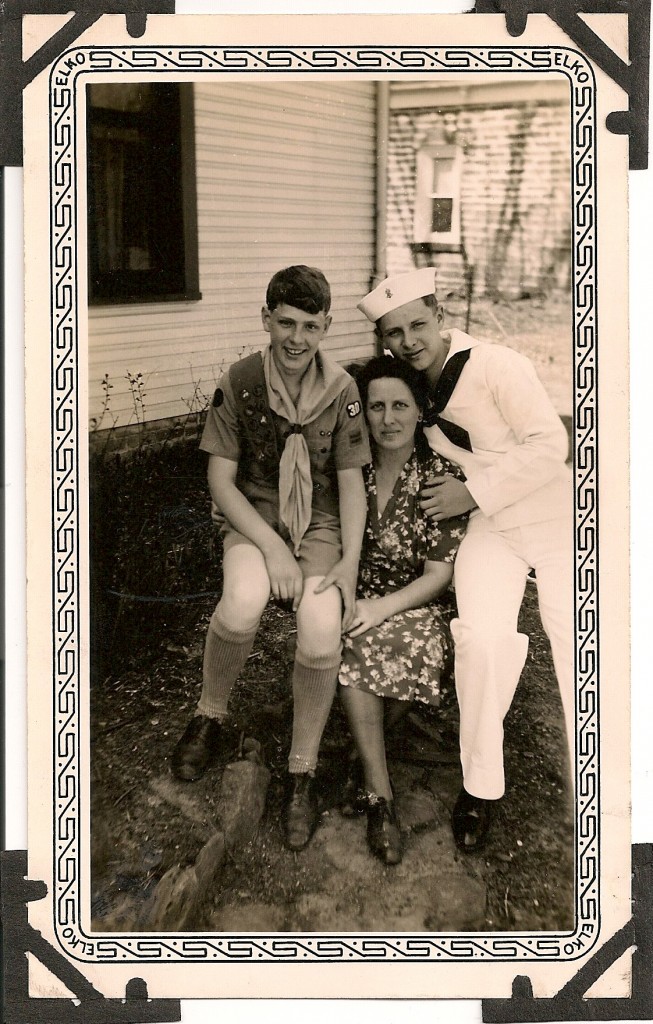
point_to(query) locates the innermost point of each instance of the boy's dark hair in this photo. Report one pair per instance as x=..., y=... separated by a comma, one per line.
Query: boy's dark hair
x=305, y=288
x=387, y=366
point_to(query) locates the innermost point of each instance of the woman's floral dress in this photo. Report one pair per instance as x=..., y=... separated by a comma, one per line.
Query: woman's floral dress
x=404, y=656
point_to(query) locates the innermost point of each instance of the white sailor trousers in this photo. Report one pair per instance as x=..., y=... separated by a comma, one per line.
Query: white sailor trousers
x=490, y=576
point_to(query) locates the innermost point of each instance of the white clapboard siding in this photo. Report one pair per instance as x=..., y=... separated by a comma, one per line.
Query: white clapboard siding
x=285, y=174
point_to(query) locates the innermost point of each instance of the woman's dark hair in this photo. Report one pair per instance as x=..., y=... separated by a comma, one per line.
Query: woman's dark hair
x=303, y=287
x=387, y=366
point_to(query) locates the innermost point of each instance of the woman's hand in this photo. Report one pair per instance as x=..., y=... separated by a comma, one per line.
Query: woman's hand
x=369, y=612
x=343, y=576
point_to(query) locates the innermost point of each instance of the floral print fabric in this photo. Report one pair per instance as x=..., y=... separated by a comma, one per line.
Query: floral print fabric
x=404, y=656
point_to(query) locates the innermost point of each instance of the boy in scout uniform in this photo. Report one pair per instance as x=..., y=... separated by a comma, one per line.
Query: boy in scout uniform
x=286, y=441
x=490, y=414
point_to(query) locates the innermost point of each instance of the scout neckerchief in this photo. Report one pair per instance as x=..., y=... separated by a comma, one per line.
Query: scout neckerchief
x=321, y=384
x=443, y=391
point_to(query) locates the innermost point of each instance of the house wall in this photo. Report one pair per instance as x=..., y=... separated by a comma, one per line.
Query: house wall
x=515, y=184
x=285, y=174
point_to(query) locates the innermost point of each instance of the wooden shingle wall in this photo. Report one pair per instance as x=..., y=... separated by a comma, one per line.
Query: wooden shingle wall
x=285, y=174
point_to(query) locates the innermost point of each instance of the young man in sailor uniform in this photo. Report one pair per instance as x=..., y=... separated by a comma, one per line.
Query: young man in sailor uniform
x=490, y=414
x=286, y=440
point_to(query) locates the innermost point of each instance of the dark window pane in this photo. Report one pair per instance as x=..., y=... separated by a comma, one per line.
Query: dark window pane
x=137, y=231
x=120, y=211
x=441, y=215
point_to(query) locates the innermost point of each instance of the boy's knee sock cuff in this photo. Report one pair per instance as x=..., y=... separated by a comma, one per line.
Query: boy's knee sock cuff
x=299, y=765
x=319, y=661
x=232, y=636
x=211, y=709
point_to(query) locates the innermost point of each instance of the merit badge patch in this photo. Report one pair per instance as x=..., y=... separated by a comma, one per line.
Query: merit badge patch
x=353, y=409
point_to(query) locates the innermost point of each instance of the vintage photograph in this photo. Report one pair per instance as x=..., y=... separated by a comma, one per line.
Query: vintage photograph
x=327, y=568
x=330, y=448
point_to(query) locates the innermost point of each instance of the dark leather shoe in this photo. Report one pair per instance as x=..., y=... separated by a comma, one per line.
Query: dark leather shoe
x=383, y=831
x=471, y=820
x=196, y=749
x=301, y=813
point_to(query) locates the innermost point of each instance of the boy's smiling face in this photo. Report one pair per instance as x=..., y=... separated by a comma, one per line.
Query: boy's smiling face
x=295, y=336
x=412, y=332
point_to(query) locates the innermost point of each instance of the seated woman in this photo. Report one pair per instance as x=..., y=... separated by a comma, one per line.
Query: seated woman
x=399, y=639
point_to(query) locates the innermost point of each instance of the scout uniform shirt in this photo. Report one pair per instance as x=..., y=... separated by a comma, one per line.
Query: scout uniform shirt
x=516, y=469
x=241, y=427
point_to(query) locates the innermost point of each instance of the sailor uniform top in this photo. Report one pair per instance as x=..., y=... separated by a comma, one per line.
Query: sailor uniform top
x=516, y=469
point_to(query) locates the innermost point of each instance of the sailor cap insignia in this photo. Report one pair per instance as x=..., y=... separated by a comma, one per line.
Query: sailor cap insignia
x=388, y=293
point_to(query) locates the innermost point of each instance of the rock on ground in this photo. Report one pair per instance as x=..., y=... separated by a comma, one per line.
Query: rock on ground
x=241, y=804
x=175, y=903
x=178, y=898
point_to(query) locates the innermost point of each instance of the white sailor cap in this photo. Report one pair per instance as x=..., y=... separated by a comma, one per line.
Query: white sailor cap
x=396, y=291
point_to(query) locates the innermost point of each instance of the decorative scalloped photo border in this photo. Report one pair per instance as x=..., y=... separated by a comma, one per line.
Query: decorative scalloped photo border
x=70, y=816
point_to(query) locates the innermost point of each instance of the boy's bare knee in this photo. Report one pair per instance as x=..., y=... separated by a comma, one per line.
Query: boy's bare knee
x=245, y=599
x=246, y=588
x=319, y=619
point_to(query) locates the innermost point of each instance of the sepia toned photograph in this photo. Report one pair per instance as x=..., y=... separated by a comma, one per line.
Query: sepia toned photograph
x=267, y=759
x=321, y=692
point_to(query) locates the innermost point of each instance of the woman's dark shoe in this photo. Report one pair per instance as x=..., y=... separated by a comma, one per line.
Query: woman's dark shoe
x=470, y=821
x=301, y=813
x=383, y=831
x=353, y=798
x=196, y=749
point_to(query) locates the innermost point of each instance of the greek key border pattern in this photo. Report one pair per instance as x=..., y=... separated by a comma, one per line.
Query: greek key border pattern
x=66, y=76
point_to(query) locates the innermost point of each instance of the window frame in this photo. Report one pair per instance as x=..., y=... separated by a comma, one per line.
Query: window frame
x=425, y=161
x=111, y=292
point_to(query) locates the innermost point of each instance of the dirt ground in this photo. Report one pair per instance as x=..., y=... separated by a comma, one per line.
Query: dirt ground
x=144, y=822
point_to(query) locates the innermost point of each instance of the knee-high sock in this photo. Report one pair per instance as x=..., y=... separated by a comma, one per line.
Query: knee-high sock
x=313, y=686
x=225, y=653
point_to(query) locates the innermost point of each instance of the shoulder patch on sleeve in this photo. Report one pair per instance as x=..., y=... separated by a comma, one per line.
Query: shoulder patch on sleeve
x=353, y=409
x=218, y=398
x=356, y=437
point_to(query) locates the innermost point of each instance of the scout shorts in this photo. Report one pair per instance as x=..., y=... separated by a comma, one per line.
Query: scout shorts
x=321, y=545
